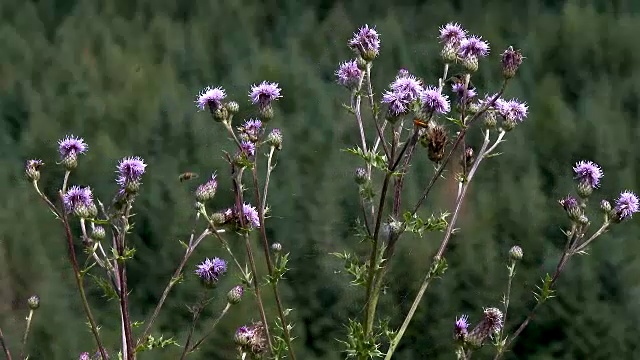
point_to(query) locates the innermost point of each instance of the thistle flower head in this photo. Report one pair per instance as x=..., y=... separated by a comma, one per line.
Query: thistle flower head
x=460, y=328
x=71, y=146
x=512, y=110
x=473, y=47
x=210, y=270
x=366, y=42
x=33, y=302
x=207, y=190
x=211, y=97
x=84, y=356
x=515, y=253
x=235, y=294
x=588, y=173
x=458, y=89
x=491, y=323
x=32, y=169
x=360, y=176
x=571, y=207
x=626, y=205
x=433, y=101
x=251, y=216
x=248, y=148
x=79, y=201
x=250, y=130
x=511, y=61
x=348, y=74
x=452, y=34
x=407, y=85
x=130, y=171
x=264, y=93
x=275, y=139
x=398, y=104
x=435, y=140
x=243, y=336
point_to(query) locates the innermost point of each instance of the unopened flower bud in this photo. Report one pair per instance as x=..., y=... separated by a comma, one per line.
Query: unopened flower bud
x=219, y=218
x=235, y=295
x=34, y=302
x=511, y=61
x=360, y=176
x=515, y=253
x=605, y=206
x=584, y=189
x=232, y=107
x=490, y=120
x=276, y=247
x=583, y=220
x=70, y=162
x=275, y=139
x=470, y=63
x=84, y=356
x=32, y=169
x=98, y=233
x=362, y=63
x=467, y=158
x=508, y=125
x=221, y=114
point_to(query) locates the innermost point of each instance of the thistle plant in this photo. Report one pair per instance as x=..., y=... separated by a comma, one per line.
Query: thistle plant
x=437, y=114
x=108, y=249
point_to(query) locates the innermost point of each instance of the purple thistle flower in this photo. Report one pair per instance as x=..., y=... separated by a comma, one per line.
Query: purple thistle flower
x=78, y=200
x=84, y=356
x=71, y=146
x=407, y=85
x=207, y=190
x=571, y=207
x=473, y=47
x=210, y=270
x=398, y=104
x=512, y=110
x=511, y=61
x=626, y=205
x=248, y=148
x=366, y=42
x=458, y=88
x=452, y=34
x=32, y=169
x=250, y=130
x=251, y=216
x=275, y=139
x=491, y=323
x=130, y=170
x=588, y=172
x=434, y=101
x=264, y=93
x=212, y=97
x=243, y=336
x=461, y=327
x=349, y=74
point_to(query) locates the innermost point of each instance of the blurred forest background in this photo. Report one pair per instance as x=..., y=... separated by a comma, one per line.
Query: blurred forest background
x=123, y=74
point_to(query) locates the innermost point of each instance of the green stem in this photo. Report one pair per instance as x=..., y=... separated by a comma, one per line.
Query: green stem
x=26, y=334
x=507, y=296
x=7, y=353
x=216, y=321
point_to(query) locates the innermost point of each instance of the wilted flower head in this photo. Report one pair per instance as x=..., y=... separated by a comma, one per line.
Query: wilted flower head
x=250, y=130
x=210, y=270
x=79, y=201
x=461, y=326
x=212, y=97
x=511, y=61
x=252, y=338
x=366, y=42
x=491, y=323
x=433, y=101
x=207, y=190
x=264, y=93
x=32, y=169
x=243, y=336
x=349, y=74
x=588, y=172
x=130, y=171
x=626, y=205
x=473, y=47
x=435, y=140
x=452, y=34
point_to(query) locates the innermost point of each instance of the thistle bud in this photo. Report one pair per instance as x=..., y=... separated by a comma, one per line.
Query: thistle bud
x=98, y=233
x=276, y=247
x=460, y=330
x=275, y=139
x=467, y=158
x=605, y=206
x=235, y=295
x=232, y=107
x=449, y=53
x=221, y=114
x=584, y=189
x=508, y=125
x=32, y=169
x=490, y=120
x=511, y=61
x=207, y=190
x=220, y=218
x=571, y=207
x=360, y=176
x=34, y=302
x=470, y=63
x=515, y=253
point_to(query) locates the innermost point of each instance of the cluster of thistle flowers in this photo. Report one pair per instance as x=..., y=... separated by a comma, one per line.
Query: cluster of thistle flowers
x=250, y=137
x=588, y=175
x=408, y=94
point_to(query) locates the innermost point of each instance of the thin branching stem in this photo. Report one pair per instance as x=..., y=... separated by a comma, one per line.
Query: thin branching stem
x=26, y=334
x=211, y=330
x=5, y=347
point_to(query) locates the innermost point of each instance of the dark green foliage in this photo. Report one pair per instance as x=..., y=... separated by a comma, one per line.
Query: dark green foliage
x=124, y=75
